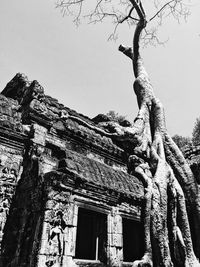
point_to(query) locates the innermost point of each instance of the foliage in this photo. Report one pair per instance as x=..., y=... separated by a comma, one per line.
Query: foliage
x=170, y=226
x=114, y=116
x=181, y=141
x=196, y=132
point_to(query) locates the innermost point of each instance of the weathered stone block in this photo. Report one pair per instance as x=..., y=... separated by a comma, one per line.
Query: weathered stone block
x=70, y=241
x=51, y=204
x=71, y=214
x=41, y=260
x=115, y=240
x=40, y=133
x=44, y=238
x=114, y=223
x=114, y=257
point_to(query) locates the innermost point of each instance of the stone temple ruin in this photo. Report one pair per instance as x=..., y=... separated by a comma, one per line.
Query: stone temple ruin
x=66, y=198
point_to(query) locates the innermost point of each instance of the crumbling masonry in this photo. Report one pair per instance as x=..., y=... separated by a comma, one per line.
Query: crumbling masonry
x=66, y=198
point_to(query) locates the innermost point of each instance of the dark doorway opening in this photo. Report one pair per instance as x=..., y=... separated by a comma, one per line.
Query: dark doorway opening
x=91, y=239
x=133, y=240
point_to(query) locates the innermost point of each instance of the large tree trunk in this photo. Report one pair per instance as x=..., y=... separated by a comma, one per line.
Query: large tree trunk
x=172, y=201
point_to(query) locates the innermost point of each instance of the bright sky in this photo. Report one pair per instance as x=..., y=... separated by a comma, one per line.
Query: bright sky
x=85, y=72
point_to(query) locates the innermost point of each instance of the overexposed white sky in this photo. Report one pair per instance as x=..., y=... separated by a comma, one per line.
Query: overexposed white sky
x=85, y=72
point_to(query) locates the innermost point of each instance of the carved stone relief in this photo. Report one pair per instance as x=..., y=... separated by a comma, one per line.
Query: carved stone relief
x=8, y=171
x=55, y=249
x=9, y=175
x=115, y=238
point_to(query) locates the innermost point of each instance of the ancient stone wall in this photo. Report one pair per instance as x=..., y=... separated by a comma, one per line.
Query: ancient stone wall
x=11, y=155
x=54, y=163
x=57, y=166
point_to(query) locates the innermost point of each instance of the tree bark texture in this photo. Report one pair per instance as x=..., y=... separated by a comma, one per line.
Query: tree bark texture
x=172, y=199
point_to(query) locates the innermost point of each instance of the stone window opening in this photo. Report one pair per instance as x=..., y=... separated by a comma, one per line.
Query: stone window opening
x=133, y=240
x=91, y=238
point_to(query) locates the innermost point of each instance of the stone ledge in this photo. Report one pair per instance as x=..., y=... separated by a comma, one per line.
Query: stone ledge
x=89, y=263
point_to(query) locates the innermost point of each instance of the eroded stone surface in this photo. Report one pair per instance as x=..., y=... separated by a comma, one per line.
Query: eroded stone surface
x=53, y=162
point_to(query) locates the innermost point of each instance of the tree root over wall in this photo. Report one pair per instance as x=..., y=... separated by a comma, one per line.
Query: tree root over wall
x=172, y=199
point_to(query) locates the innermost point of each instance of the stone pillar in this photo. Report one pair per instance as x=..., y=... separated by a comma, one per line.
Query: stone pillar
x=71, y=218
x=43, y=245
x=58, y=240
x=115, y=240
x=40, y=134
x=10, y=173
x=46, y=162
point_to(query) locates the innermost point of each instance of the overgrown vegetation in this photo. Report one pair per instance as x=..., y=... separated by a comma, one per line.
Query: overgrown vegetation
x=182, y=141
x=171, y=214
x=114, y=116
x=196, y=132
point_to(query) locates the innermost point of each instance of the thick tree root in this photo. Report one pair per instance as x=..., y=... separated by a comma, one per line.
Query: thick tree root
x=171, y=192
x=146, y=261
x=170, y=243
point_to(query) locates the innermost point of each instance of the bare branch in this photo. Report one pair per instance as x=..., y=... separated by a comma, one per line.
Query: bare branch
x=126, y=51
x=77, y=19
x=129, y=16
x=150, y=37
x=138, y=7
x=176, y=8
x=160, y=10
x=129, y=11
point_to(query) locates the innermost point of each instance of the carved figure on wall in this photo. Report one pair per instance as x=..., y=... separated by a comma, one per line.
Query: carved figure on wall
x=9, y=175
x=8, y=171
x=56, y=241
x=4, y=209
x=8, y=179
